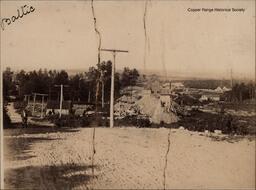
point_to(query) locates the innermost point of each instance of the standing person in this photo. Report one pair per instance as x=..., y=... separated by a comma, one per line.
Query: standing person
x=24, y=117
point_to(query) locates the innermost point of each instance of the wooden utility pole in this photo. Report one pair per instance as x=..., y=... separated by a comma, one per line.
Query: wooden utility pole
x=231, y=78
x=102, y=88
x=61, y=96
x=42, y=108
x=102, y=96
x=34, y=104
x=89, y=96
x=114, y=51
x=89, y=90
x=28, y=99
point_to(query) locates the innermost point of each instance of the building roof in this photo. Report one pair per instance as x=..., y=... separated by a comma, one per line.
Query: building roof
x=177, y=84
x=225, y=89
x=165, y=91
x=166, y=85
x=218, y=89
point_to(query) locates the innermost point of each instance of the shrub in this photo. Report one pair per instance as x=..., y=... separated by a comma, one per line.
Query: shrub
x=19, y=106
x=134, y=120
x=200, y=121
x=143, y=122
x=69, y=120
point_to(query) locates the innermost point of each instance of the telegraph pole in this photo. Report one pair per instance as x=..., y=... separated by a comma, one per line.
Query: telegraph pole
x=89, y=91
x=102, y=89
x=61, y=96
x=28, y=99
x=114, y=51
x=231, y=78
x=34, y=104
x=42, y=109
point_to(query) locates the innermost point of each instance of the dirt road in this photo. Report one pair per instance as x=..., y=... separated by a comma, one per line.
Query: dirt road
x=14, y=116
x=50, y=158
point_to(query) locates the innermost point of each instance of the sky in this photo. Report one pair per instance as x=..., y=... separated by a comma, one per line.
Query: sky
x=61, y=35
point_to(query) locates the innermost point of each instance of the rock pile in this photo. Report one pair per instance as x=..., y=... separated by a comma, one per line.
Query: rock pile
x=152, y=107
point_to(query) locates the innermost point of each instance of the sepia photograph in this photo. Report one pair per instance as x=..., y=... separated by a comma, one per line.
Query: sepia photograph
x=127, y=94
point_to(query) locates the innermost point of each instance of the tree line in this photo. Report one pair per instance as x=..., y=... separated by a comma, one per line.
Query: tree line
x=241, y=92
x=206, y=84
x=93, y=85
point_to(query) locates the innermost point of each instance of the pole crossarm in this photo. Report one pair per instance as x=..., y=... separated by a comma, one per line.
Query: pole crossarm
x=60, y=85
x=38, y=94
x=114, y=51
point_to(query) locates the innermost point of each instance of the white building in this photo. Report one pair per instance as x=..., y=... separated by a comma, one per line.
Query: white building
x=219, y=90
x=177, y=85
x=203, y=98
x=225, y=89
x=211, y=97
x=146, y=92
